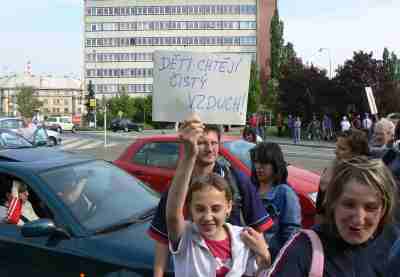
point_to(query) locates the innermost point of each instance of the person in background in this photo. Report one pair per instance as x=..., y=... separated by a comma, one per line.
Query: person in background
x=20, y=210
x=359, y=204
x=366, y=125
x=291, y=125
x=206, y=245
x=250, y=135
x=327, y=131
x=269, y=174
x=383, y=135
x=345, y=124
x=279, y=124
x=357, y=122
x=349, y=144
x=297, y=130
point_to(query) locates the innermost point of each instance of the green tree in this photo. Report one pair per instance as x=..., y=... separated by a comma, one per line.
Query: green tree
x=254, y=89
x=270, y=100
x=277, y=43
x=122, y=103
x=143, y=107
x=27, y=102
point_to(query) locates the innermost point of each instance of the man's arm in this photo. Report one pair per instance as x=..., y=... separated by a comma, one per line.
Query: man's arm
x=252, y=208
x=160, y=259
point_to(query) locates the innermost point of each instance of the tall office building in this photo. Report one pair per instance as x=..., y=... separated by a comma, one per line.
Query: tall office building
x=121, y=35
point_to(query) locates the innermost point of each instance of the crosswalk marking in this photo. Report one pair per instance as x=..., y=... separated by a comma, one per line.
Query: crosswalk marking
x=70, y=140
x=82, y=144
x=74, y=145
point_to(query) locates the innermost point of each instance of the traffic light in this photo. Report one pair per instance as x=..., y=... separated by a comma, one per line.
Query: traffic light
x=90, y=98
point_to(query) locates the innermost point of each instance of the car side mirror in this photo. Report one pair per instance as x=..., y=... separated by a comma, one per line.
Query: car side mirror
x=43, y=228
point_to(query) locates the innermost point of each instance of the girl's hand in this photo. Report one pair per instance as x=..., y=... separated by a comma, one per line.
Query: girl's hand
x=189, y=133
x=256, y=242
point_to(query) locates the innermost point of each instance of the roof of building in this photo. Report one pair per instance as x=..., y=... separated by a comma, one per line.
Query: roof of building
x=40, y=82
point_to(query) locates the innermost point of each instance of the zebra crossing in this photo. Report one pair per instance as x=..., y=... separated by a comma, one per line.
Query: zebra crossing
x=308, y=152
x=79, y=143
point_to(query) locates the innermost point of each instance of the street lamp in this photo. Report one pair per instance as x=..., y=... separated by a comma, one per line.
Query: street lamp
x=330, y=59
x=94, y=87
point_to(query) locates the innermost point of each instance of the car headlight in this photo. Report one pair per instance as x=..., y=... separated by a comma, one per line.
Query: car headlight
x=313, y=196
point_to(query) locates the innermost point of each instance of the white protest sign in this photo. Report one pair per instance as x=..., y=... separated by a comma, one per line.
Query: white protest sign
x=215, y=86
x=371, y=100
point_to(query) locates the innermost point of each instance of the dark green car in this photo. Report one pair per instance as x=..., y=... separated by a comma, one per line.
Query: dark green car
x=93, y=217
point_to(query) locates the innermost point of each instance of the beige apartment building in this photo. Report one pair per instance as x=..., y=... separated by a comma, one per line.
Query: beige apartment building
x=60, y=96
x=121, y=35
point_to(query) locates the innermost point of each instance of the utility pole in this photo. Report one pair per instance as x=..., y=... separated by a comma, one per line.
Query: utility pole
x=105, y=124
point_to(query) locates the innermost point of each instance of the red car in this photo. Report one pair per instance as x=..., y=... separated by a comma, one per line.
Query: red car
x=153, y=159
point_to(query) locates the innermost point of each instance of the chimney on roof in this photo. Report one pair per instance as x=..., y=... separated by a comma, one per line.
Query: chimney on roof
x=28, y=69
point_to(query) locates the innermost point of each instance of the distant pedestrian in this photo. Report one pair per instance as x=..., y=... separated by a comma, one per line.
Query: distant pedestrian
x=249, y=134
x=357, y=122
x=291, y=125
x=345, y=124
x=366, y=125
x=279, y=124
x=297, y=130
x=327, y=129
x=315, y=128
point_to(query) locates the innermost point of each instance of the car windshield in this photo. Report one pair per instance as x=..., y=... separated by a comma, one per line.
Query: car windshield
x=98, y=194
x=240, y=149
x=10, y=140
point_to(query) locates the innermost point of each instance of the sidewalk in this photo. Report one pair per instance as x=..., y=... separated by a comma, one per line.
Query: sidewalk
x=289, y=141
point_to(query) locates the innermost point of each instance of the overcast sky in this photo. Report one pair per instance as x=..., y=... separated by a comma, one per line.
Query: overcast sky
x=49, y=32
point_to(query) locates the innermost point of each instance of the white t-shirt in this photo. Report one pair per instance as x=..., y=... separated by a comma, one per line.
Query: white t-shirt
x=345, y=125
x=192, y=258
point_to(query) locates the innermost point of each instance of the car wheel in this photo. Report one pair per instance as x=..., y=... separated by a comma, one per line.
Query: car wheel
x=51, y=141
x=126, y=129
x=73, y=130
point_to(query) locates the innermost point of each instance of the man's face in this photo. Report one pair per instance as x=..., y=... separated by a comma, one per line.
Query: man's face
x=208, y=148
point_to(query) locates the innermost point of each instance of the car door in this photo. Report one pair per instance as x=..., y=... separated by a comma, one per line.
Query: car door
x=43, y=255
x=155, y=163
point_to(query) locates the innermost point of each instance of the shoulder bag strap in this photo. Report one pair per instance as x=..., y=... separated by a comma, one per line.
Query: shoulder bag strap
x=317, y=262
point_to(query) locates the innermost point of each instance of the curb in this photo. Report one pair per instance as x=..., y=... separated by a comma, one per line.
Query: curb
x=304, y=145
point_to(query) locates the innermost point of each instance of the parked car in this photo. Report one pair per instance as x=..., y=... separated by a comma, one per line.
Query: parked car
x=60, y=123
x=100, y=233
x=153, y=160
x=34, y=135
x=126, y=125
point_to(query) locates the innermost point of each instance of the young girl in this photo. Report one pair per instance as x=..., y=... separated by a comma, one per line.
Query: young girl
x=281, y=202
x=207, y=246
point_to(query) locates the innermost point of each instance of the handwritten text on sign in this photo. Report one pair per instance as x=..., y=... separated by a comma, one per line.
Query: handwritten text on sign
x=214, y=86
